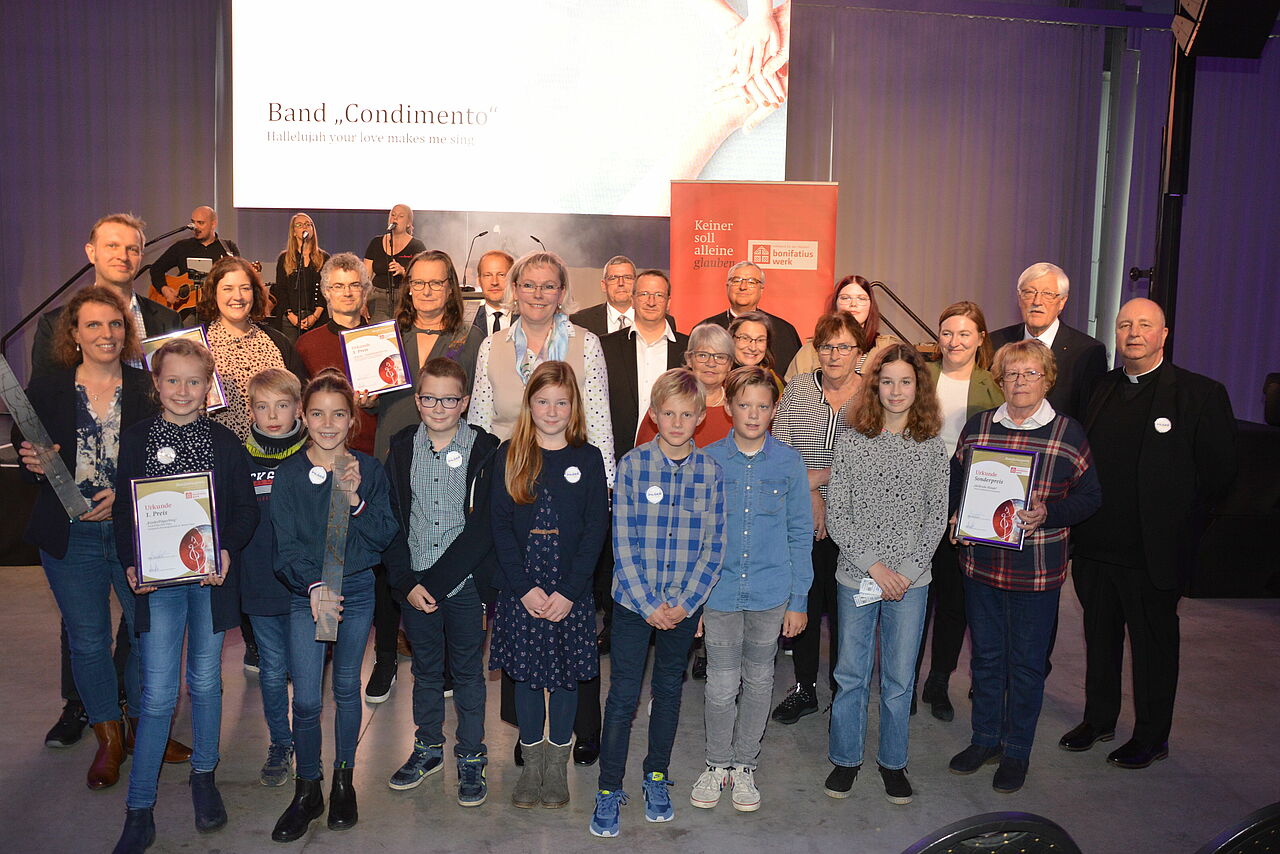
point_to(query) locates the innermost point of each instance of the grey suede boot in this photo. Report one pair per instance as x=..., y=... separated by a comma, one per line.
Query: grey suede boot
x=555, y=775
x=528, y=790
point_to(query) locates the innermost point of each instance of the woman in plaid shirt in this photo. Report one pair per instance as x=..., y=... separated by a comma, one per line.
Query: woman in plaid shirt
x=1011, y=597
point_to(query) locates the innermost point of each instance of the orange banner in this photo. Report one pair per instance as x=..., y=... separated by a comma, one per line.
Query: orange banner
x=786, y=228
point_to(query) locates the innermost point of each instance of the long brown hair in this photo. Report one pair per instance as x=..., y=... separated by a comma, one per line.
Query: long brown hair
x=872, y=326
x=925, y=418
x=333, y=380
x=207, y=306
x=65, y=349
x=293, y=247
x=452, y=317
x=973, y=311
x=524, y=455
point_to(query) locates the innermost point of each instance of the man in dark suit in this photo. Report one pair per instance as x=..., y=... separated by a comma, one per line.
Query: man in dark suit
x=491, y=270
x=115, y=250
x=745, y=287
x=617, y=311
x=1042, y=293
x=1163, y=442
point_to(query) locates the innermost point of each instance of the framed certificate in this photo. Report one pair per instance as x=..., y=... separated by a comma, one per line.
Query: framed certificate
x=175, y=528
x=997, y=484
x=217, y=398
x=374, y=358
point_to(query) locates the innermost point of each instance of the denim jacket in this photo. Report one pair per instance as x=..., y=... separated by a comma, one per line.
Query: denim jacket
x=768, y=529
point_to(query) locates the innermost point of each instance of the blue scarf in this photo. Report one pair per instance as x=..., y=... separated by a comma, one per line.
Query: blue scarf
x=554, y=349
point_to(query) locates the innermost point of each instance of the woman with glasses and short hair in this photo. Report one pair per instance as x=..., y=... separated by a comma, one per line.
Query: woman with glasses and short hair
x=752, y=335
x=710, y=357
x=1011, y=596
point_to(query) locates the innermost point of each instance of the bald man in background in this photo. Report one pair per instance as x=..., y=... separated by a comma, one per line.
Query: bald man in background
x=203, y=243
x=1163, y=441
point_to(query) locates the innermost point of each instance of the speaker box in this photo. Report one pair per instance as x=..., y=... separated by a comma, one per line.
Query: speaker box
x=1236, y=28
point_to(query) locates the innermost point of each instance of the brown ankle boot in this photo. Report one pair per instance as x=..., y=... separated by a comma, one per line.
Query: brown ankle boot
x=175, y=752
x=105, y=770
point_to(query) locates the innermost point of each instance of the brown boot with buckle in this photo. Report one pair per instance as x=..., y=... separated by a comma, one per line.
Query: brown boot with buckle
x=105, y=770
x=175, y=752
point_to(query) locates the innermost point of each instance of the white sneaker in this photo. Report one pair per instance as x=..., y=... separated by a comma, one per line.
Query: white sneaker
x=706, y=792
x=746, y=797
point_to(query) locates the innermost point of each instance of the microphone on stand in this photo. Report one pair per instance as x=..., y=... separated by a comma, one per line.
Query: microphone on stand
x=539, y=242
x=391, y=226
x=466, y=264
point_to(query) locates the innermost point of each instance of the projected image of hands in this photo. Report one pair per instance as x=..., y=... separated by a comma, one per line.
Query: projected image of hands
x=759, y=52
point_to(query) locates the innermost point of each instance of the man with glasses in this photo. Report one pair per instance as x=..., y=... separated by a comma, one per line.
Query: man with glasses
x=1082, y=360
x=618, y=310
x=745, y=287
x=345, y=286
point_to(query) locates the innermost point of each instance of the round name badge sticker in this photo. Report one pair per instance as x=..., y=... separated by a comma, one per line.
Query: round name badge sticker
x=166, y=455
x=453, y=459
x=1163, y=425
x=653, y=494
x=573, y=474
x=318, y=475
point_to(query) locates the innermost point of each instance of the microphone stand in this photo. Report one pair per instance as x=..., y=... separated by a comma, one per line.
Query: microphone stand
x=35, y=312
x=539, y=242
x=466, y=265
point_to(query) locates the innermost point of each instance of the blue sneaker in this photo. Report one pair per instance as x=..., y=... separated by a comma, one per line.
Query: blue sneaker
x=473, y=788
x=657, y=801
x=425, y=760
x=604, y=821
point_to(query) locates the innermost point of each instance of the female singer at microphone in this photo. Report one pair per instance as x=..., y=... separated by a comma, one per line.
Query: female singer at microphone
x=297, y=290
x=387, y=258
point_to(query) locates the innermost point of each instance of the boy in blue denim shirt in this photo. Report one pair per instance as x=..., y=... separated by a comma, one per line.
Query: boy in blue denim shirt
x=668, y=541
x=763, y=588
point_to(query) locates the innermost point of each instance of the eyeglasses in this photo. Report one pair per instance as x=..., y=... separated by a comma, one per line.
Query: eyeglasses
x=1012, y=377
x=417, y=286
x=658, y=296
x=744, y=340
x=842, y=349
x=345, y=286
x=860, y=299
x=531, y=288
x=745, y=284
x=1029, y=294
x=703, y=358
x=613, y=280
x=306, y=225
x=429, y=401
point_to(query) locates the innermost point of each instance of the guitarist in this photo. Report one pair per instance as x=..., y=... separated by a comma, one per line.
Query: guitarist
x=204, y=243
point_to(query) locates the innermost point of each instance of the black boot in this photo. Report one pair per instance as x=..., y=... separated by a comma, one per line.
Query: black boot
x=307, y=806
x=935, y=694
x=211, y=815
x=342, y=801
x=138, y=834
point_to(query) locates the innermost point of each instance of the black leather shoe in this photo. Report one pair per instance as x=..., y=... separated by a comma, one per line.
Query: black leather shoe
x=307, y=806
x=69, y=728
x=343, y=814
x=1085, y=736
x=211, y=815
x=801, y=701
x=1010, y=776
x=972, y=758
x=602, y=642
x=935, y=694
x=1134, y=755
x=138, y=834
x=586, y=750
x=519, y=755
x=700, y=666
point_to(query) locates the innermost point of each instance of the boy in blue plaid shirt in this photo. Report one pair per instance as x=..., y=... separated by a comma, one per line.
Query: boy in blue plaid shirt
x=668, y=542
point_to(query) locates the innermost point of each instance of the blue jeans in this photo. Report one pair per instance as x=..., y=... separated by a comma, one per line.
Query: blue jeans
x=901, y=624
x=183, y=610
x=1009, y=632
x=306, y=658
x=82, y=581
x=628, y=649
x=459, y=623
x=272, y=636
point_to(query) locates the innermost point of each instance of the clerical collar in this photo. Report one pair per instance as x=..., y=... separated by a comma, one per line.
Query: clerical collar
x=1145, y=375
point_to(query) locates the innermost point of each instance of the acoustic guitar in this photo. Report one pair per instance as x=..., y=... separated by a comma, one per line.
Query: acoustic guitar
x=187, y=290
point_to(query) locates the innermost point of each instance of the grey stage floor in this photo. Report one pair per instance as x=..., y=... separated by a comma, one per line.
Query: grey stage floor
x=1224, y=763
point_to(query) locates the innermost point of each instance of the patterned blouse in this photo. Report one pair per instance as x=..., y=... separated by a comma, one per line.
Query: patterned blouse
x=237, y=359
x=97, y=444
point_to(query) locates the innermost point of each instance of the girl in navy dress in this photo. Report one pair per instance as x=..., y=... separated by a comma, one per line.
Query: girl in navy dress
x=549, y=524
